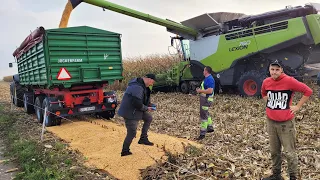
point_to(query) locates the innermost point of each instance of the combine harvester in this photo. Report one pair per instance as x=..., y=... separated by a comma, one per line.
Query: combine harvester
x=238, y=47
x=65, y=70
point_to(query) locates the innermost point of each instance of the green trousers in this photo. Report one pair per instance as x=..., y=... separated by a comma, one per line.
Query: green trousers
x=283, y=134
x=206, y=120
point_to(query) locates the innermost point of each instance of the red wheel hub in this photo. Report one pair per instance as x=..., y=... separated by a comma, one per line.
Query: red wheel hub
x=250, y=87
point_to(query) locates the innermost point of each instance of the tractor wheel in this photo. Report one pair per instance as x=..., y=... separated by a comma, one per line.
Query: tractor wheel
x=250, y=83
x=185, y=88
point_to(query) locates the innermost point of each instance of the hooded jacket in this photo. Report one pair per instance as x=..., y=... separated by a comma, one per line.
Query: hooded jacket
x=135, y=100
x=280, y=93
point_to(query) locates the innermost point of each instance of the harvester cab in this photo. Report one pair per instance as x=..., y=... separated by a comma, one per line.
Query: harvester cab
x=238, y=47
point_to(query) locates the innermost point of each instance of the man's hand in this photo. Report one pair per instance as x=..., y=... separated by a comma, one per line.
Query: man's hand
x=299, y=105
x=198, y=90
x=265, y=98
x=294, y=109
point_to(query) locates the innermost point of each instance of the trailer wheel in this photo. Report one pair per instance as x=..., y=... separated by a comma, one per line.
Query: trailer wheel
x=250, y=83
x=107, y=114
x=184, y=86
x=17, y=94
x=50, y=119
x=28, y=107
x=38, y=108
x=58, y=121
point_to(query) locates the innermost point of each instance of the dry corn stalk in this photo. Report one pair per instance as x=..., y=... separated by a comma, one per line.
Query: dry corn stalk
x=7, y=78
x=139, y=66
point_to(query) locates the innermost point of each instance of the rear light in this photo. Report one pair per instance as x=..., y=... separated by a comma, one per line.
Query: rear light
x=70, y=112
x=113, y=105
x=103, y=107
x=58, y=113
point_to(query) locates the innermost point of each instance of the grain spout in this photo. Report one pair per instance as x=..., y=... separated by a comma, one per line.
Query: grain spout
x=66, y=14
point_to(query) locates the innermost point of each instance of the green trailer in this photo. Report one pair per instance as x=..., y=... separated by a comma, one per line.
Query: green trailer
x=66, y=71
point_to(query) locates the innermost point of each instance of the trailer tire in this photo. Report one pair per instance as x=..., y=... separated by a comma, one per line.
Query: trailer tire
x=58, y=121
x=28, y=107
x=38, y=108
x=184, y=87
x=50, y=119
x=250, y=84
x=107, y=114
x=17, y=94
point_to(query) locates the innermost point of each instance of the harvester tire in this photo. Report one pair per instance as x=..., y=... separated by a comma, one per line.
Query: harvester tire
x=184, y=87
x=250, y=84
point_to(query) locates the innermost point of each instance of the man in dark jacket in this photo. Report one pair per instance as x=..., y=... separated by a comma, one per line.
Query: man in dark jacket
x=134, y=106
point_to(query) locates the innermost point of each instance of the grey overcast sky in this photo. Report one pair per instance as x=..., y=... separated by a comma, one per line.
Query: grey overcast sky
x=19, y=17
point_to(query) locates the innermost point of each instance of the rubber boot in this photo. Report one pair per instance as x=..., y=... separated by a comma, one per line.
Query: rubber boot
x=210, y=129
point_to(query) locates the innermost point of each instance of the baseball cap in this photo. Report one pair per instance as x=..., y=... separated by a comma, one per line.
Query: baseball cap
x=151, y=76
x=277, y=63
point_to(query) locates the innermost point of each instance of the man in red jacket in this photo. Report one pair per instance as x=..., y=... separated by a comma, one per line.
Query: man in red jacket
x=278, y=91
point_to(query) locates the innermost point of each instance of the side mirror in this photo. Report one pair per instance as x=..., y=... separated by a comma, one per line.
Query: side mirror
x=172, y=50
x=10, y=65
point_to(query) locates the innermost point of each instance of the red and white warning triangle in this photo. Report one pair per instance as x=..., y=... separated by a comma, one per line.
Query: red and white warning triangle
x=63, y=74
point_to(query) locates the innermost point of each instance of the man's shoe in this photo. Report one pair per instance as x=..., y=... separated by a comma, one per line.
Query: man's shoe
x=145, y=141
x=210, y=129
x=201, y=137
x=273, y=177
x=126, y=153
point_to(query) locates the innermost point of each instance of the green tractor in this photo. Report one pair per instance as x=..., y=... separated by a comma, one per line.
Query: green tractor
x=236, y=46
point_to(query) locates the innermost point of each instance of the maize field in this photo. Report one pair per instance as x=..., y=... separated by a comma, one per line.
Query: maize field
x=238, y=149
x=7, y=78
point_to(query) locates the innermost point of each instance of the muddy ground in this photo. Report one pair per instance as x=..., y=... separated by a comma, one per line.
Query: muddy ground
x=238, y=149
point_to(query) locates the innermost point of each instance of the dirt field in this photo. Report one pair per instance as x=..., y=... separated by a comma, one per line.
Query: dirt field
x=238, y=149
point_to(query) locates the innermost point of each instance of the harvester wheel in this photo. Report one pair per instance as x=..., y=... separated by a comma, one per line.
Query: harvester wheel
x=185, y=88
x=250, y=83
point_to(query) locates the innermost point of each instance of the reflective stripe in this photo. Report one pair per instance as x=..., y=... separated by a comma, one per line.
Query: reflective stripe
x=205, y=108
x=209, y=120
x=210, y=99
x=204, y=125
x=202, y=88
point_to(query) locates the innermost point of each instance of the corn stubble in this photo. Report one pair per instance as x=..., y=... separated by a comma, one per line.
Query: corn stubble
x=239, y=147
